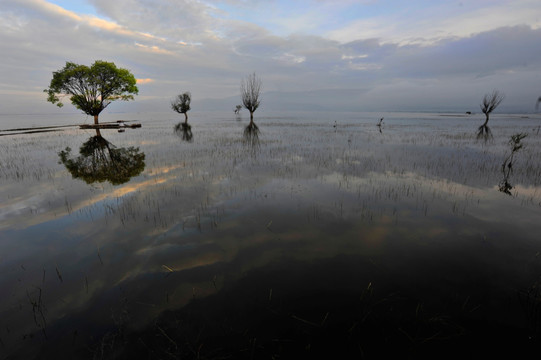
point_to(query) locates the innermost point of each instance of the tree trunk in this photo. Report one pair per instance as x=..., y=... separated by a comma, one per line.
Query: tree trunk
x=486, y=120
x=251, y=118
x=185, y=118
x=96, y=120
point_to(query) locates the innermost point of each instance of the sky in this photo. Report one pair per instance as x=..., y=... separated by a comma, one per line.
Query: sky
x=351, y=55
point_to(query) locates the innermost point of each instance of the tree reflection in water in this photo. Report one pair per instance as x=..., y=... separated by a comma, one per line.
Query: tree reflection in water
x=184, y=130
x=484, y=133
x=251, y=136
x=100, y=161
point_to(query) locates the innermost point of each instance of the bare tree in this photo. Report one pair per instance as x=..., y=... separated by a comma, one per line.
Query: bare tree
x=491, y=102
x=237, y=109
x=181, y=104
x=250, y=89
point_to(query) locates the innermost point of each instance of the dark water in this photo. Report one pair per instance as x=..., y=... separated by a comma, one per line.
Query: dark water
x=320, y=236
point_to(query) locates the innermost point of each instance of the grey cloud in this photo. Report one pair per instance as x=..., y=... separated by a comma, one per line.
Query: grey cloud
x=453, y=72
x=311, y=51
x=373, y=49
x=484, y=54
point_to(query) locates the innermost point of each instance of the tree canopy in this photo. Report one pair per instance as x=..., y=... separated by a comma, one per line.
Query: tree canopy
x=490, y=103
x=181, y=104
x=250, y=89
x=91, y=89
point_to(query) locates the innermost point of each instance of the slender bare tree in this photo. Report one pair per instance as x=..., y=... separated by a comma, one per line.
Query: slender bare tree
x=491, y=102
x=250, y=90
x=181, y=104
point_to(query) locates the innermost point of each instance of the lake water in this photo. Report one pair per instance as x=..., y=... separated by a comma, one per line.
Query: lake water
x=320, y=234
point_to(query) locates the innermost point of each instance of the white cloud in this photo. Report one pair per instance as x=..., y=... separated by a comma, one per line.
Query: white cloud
x=290, y=58
x=185, y=21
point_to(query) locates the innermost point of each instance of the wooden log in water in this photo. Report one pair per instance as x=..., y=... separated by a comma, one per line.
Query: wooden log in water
x=109, y=126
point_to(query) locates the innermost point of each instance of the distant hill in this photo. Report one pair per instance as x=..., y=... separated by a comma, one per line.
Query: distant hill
x=364, y=100
x=318, y=100
x=332, y=100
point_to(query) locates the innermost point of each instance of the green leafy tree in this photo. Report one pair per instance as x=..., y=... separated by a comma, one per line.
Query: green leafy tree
x=250, y=90
x=91, y=89
x=181, y=104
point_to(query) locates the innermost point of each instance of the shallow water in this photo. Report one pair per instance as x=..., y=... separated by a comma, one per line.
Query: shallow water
x=298, y=224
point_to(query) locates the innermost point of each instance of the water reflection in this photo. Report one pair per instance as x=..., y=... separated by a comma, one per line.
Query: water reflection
x=184, y=130
x=484, y=133
x=505, y=186
x=380, y=125
x=251, y=136
x=100, y=161
x=323, y=243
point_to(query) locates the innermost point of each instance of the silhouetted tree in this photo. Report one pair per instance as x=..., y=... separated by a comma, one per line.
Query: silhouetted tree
x=99, y=160
x=491, y=102
x=250, y=90
x=91, y=89
x=238, y=108
x=181, y=104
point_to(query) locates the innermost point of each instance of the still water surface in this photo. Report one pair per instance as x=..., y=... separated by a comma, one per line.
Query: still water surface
x=321, y=233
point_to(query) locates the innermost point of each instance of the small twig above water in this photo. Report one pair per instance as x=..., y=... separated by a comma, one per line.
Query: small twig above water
x=507, y=166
